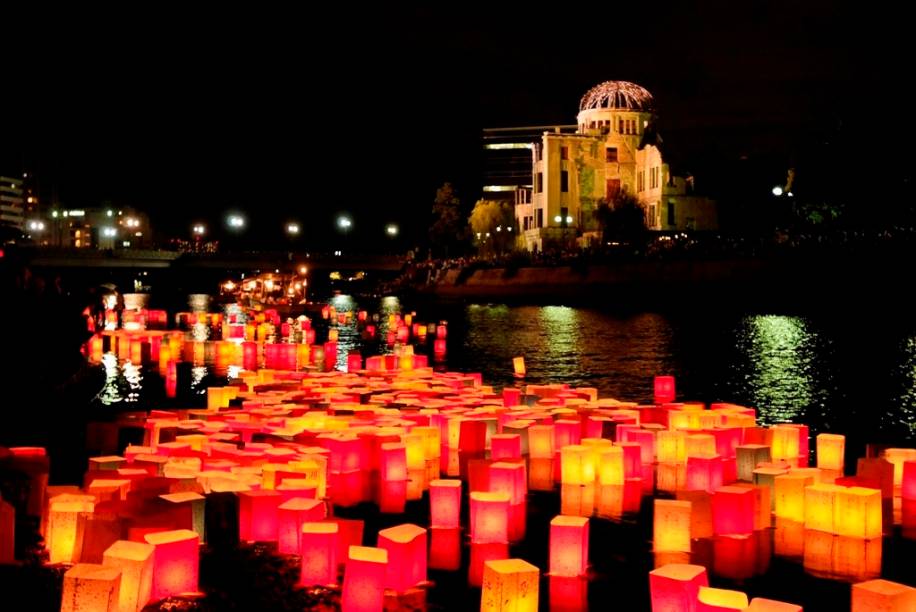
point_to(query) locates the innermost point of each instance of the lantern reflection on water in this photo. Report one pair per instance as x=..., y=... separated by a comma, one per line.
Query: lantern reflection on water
x=671, y=525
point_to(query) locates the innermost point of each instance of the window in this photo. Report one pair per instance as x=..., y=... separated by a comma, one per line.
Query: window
x=564, y=152
x=610, y=155
x=620, y=126
x=564, y=181
x=539, y=183
x=538, y=152
x=540, y=217
x=525, y=224
x=640, y=181
x=652, y=214
x=671, y=215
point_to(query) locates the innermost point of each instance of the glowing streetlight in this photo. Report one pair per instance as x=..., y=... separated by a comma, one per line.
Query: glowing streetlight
x=391, y=229
x=199, y=229
x=37, y=226
x=236, y=221
x=292, y=229
x=777, y=191
x=344, y=222
x=109, y=232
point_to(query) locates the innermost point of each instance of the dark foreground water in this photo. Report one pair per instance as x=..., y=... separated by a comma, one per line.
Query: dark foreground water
x=842, y=373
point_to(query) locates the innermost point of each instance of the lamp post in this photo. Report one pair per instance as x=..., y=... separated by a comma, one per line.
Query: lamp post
x=344, y=223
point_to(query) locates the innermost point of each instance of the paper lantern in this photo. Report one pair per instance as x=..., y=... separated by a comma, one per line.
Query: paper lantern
x=645, y=438
x=664, y=389
x=393, y=461
x=897, y=457
x=671, y=525
x=858, y=512
x=611, y=469
x=364, y=579
x=406, y=546
x=89, y=587
x=788, y=538
x=508, y=478
x=748, y=457
x=759, y=604
x=700, y=445
x=444, y=503
x=908, y=481
x=392, y=496
x=509, y=585
x=318, y=548
x=704, y=473
x=568, y=545
x=789, y=496
x=291, y=515
x=710, y=599
x=856, y=558
x=566, y=433
x=830, y=451
x=258, y=515
x=445, y=548
x=733, y=511
x=675, y=587
x=489, y=517
x=541, y=442
x=577, y=465
x=671, y=477
x=63, y=511
x=819, y=506
x=883, y=595
x=785, y=443
x=135, y=560
x=518, y=367
x=505, y=446
x=175, y=562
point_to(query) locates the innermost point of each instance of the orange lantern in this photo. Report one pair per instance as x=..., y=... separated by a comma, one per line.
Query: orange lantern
x=505, y=446
x=748, y=457
x=541, y=441
x=820, y=502
x=135, y=560
x=518, y=367
x=444, y=503
x=364, y=579
x=509, y=585
x=63, y=511
x=175, y=562
x=89, y=587
x=671, y=446
x=830, y=450
x=789, y=495
x=406, y=547
x=577, y=465
x=568, y=545
x=858, y=512
x=883, y=595
x=671, y=526
x=710, y=599
x=319, y=554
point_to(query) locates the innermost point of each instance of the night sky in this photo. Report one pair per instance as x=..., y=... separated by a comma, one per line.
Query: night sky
x=187, y=113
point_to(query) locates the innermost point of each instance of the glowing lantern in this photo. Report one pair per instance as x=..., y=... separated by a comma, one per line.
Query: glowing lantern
x=510, y=478
x=577, y=465
x=319, y=553
x=789, y=538
x=518, y=367
x=541, y=474
x=789, y=495
x=897, y=457
x=505, y=446
x=406, y=547
x=733, y=511
x=489, y=517
x=566, y=433
x=135, y=560
x=675, y=587
x=63, y=511
x=175, y=562
x=671, y=446
x=439, y=347
x=819, y=506
x=646, y=440
x=364, y=579
x=830, y=448
x=763, y=517
x=393, y=461
x=671, y=476
x=291, y=515
x=568, y=545
x=354, y=362
x=856, y=558
x=611, y=469
x=89, y=587
x=759, y=604
x=883, y=595
x=700, y=445
x=664, y=389
x=444, y=503
x=785, y=443
x=540, y=442
x=509, y=585
x=258, y=515
x=908, y=484
x=579, y=500
x=445, y=549
x=720, y=600
x=748, y=457
x=858, y=512
x=704, y=473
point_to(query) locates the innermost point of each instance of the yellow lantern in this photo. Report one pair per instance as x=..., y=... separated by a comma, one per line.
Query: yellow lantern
x=789, y=495
x=830, y=449
x=671, y=526
x=509, y=585
x=135, y=560
x=858, y=512
x=89, y=587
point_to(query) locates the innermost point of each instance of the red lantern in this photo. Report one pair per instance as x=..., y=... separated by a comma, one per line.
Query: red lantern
x=675, y=587
x=175, y=562
x=568, y=545
x=406, y=546
x=664, y=389
x=319, y=554
x=364, y=579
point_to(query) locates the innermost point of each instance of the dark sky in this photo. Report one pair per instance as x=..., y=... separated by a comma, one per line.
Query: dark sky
x=304, y=113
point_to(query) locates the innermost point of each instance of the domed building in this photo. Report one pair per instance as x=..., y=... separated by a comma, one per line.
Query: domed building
x=613, y=152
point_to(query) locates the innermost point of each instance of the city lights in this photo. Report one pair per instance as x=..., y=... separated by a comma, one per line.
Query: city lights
x=199, y=230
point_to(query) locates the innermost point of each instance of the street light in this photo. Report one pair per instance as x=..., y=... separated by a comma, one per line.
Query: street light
x=199, y=229
x=292, y=229
x=777, y=191
x=344, y=222
x=236, y=221
x=391, y=229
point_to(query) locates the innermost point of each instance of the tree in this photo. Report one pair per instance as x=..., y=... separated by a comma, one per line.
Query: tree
x=448, y=229
x=622, y=219
x=492, y=224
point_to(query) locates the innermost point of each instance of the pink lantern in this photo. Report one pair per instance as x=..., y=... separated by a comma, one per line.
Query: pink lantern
x=675, y=587
x=489, y=517
x=258, y=515
x=291, y=515
x=568, y=545
x=444, y=503
x=175, y=562
x=364, y=579
x=319, y=554
x=664, y=389
x=733, y=510
x=406, y=546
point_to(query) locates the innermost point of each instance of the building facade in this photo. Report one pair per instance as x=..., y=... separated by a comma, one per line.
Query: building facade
x=613, y=152
x=12, y=203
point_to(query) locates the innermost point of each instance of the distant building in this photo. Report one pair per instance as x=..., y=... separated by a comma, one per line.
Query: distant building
x=12, y=203
x=98, y=228
x=614, y=150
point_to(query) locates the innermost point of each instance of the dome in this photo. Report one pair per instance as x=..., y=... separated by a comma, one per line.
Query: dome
x=617, y=94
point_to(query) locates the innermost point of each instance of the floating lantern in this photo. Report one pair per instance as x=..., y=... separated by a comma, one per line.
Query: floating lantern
x=675, y=587
x=785, y=443
x=908, y=481
x=820, y=506
x=789, y=495
x=830, y=449
x=759, y=604
x=733, y=511
x=364, y=579
x=318, y=548
x=710, y=599
x=646, y=440
x=568, y=545
x=393, y=461
x=354, y=362
x=444, y=503
x=566, y=433
x=748, y=457
x=541, y=442
x=611, y=469
x=858, y=512
x=577, y=465
x=489, y=517
x=704, y=473
x=883, y=595
x=505, y=446
x=175, y=562
x=406, y=546
x=89, y=587
x=518, y=367
x=63, y=511
x=671, y=446
x=700, y=445
x=258, y=515
x=392, y=496
x=664, y=389
x=509, y=585
x=291, y=515
x=135, y=560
